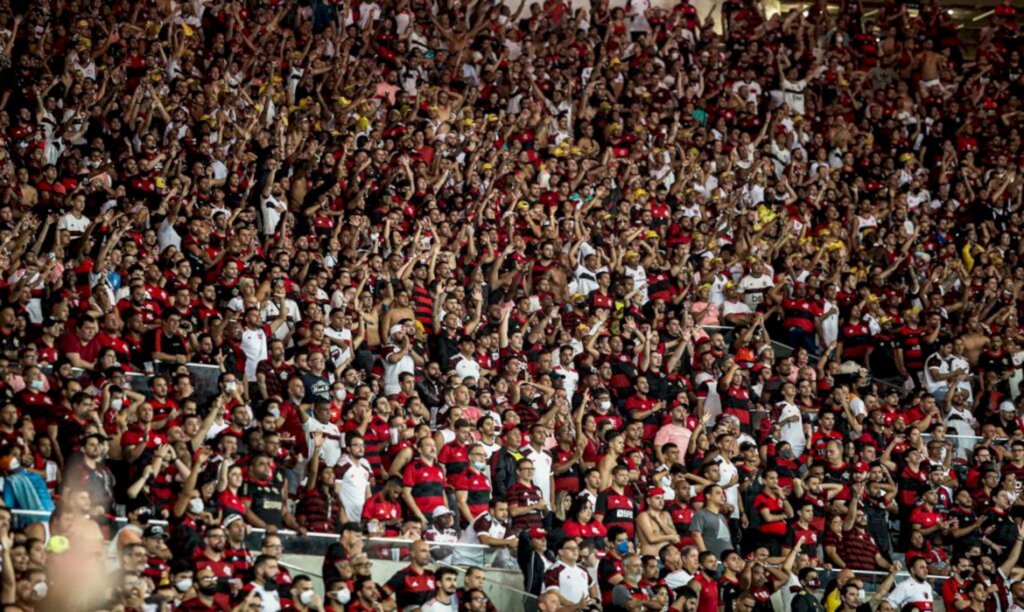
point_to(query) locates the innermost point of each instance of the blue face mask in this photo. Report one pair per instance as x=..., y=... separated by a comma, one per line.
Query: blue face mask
x=480, y=465
x=622, y=547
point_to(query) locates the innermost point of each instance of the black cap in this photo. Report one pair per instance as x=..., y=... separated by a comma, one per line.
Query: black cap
x=154, y=531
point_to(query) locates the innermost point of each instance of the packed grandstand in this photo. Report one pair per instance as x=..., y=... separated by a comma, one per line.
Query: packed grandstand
x=653, y=306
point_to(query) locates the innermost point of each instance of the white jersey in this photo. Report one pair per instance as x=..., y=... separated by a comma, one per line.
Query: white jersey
x=910, y=591
x=543, y=464
x=486, y=525
x=754, y=288
x=793, y=432
x=572, y=583
x=726, y=472
x=352, y=478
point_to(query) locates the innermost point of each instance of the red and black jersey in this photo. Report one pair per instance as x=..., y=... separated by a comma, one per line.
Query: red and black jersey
x=774, y=505
x=736, y=402
x=617, y=509
x=856, y=340
x=411, y=589
x=608, y=568
x=520, y=495
x=156, y=568
x=478, y=491
x=161, y=409
x=910, y=341
x=240, y=558
x=811, y=536
x=221, y=569
x=427, y=483
x=912, y=485
x=568, y=480
x=378, y=434
x=682, y=516
x=454, y=456
x=423, y=308
x=379, y=509
x=800, y=314
x=652, y=422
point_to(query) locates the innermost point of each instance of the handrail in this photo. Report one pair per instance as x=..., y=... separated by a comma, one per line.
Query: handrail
x=287, y=532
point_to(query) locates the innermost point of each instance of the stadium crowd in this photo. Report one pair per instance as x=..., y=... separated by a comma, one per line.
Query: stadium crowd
x=662, y=316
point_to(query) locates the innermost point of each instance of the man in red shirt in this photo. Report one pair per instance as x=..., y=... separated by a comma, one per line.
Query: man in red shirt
x=384, y=508
x=211, y=556
x=140, y=436
x=708, y=601
x=208, y=598
x=81, y=347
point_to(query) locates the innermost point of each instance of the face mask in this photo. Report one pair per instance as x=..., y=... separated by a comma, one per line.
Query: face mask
x=605, y=405
x=622, y=547
x=343, y=596
x=813, y=583
x=183, y=585
x=230, y=386
x=195, y=505
x=862, y=595
x=480, y=465
x=340, y=395
x=211, y=589
x=116, y=403
x=37, y=384
x=274, y=412
x=307, y=597
x=41, y=589
x=965, y=573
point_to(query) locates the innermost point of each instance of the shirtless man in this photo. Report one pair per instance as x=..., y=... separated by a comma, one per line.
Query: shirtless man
x=930, y=64
x=974, y=341
x=654, y=525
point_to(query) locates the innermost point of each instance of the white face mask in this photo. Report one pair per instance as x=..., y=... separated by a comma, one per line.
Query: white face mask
x=183, y=585
x=230, y=386
x=605, y=405
x=41, y=589
x=307, y=597
x=116, y=403
x=195, y=505
x=343, y=596
x=340, y=395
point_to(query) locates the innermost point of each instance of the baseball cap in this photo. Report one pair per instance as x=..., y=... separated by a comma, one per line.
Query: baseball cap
x=538, y=533
x=440, y=511
x=655, y=492
x=231, y=518
x=1007, y=406
x=156, y=531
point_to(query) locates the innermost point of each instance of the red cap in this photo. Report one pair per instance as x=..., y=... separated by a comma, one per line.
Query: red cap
x=655, y=491
x=538, y=533
x=862, y=467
